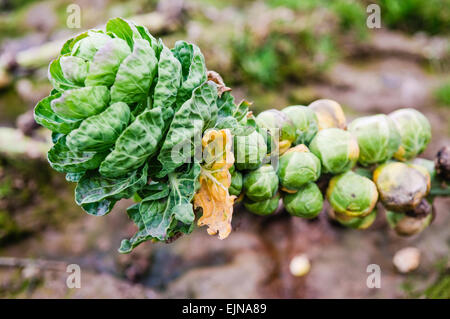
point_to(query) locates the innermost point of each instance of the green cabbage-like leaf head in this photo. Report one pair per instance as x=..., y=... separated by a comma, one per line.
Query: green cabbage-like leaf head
x=298, y=166
x=261, y=183
x=305, y=122
x=307, y=202
x=415, y=133
x=378, y=138
x=337, y=150
x=263, y=207
x=351, y=194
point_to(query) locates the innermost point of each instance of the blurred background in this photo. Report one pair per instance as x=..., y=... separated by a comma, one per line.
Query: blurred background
x=272, y=52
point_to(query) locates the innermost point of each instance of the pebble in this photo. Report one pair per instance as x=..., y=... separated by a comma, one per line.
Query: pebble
x=407, y=259
x=300, y=265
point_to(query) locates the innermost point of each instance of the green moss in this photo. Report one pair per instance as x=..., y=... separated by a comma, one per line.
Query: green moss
x=440, y=289
x=5, y=187
x=442, y=94
x=431, y=16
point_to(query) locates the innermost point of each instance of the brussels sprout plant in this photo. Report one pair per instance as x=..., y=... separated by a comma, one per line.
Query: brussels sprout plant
x=415, y=133
x=337, y=150
x=401, y=186
x=132, y=118
x=378, y=138
x=305, y=122
x=263, y=207
x=307, y=202
x=298, y=166
x=329, y=114
x=261, y=183
x=279, y=125
x=352, y=195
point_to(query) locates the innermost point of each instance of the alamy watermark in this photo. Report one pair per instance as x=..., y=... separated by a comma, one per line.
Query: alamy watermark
x=73, y=16
x=374, y=279
x=74, y=278
x=374, y=18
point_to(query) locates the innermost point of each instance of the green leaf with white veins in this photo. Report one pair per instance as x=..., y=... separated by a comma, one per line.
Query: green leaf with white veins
x=74, y=69
x=57, y=78
x=135, y=74
x=124, y=30
x=44, y=115
x=156, y=217
x=81, y=103
x=107, y=60
x=95, y=193
x=100, y=132
x=139, y=141
x=230, y=116
x=169, y=79
x=63, y=159
x=189, y=122
x=88, y=46
x=193, y=69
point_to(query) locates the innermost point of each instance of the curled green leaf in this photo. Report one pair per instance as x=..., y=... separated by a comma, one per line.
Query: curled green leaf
x=99, y=132
x=135, y=74
x=45, y=116
x=106, y=62
x=188, y=123
x=81, y=103
x=158, y=218
x=65, y=160
x=137, y=143
x=193, y=69
x=97, y=194
x=169, y=79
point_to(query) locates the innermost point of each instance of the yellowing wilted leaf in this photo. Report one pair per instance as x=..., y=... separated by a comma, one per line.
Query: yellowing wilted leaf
x=215, y=179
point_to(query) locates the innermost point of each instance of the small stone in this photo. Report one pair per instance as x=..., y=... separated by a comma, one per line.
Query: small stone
x=300, y=265
x=407, y=259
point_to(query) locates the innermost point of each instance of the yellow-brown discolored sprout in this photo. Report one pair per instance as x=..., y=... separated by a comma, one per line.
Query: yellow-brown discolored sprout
x=405, y=225
x=401, y=186
x=329, y=114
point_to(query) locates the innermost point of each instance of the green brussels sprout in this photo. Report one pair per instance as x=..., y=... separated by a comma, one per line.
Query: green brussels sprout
x=354, y=222
x=306, y=203
x=272, y=120
x=249, y=151
x=329, y=114
x=264, y=207
x=378, y=138
x=305, y=120
x=401, y=186
x=298, y=166
x=261, y=183
x=236, y=183
x=337, y=150
x=405, y=225
x=415, y=133
x=352, y=194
